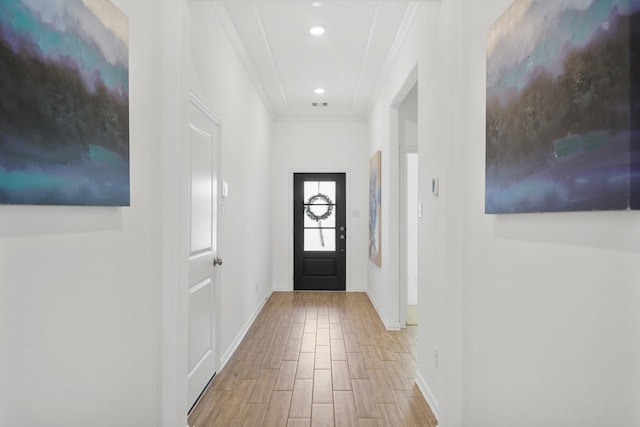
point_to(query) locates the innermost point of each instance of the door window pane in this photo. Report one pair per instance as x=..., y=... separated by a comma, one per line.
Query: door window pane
x=319, y=204
x=320, y=215
x=319, y=239
x=327, y=188
x=325, y=223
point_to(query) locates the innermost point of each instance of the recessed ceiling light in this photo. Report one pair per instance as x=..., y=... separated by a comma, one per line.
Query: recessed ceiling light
x=317, y=30
x=319, y=91
x=316, y=4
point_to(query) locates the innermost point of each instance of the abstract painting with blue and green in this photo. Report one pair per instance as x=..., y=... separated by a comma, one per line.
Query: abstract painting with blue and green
x=563, y=107
x=64, y=103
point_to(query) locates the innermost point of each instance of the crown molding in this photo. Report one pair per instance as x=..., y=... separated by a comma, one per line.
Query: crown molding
x=270, y=54
x=365, y=57
x=321, y=117
x=220, y=9
x=401, y=35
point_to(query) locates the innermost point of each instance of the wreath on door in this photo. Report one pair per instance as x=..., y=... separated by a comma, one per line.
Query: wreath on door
x=312, y=202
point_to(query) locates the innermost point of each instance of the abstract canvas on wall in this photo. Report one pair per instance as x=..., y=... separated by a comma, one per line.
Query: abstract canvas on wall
x=563, y=107
x=375, y=253
x=64, y=103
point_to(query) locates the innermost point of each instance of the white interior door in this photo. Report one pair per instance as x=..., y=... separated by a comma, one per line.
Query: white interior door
x=203, y=204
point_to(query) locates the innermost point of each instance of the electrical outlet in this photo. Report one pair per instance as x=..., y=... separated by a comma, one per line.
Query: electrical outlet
x=256, y=287
x=435, y=358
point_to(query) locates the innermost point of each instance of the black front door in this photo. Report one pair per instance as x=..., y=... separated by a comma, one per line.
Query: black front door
x=320, y=233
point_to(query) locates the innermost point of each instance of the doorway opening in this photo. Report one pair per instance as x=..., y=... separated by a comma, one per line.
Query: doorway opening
x=320, y=233
x=409, y=222
x=408, y=168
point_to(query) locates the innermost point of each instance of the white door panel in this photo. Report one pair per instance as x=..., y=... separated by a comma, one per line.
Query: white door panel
x=203, y=149
x=201, y=315
x=200, y=266
x=201, y=190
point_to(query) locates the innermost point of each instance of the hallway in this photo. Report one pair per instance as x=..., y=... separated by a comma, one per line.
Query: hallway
x=317, y=359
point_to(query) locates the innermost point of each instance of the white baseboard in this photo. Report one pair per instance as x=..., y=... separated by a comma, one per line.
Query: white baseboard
x=427, y=393
x=243, y=332
x=390, y=326
x=288, y=288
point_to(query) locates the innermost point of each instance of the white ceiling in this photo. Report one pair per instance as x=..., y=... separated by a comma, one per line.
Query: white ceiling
x=287, y=63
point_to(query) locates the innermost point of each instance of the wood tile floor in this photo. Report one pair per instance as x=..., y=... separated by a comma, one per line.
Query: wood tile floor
x=317, y=359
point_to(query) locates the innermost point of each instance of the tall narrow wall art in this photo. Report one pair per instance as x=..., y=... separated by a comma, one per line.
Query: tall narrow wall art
x=64, y=103
x=375, y=226
x=563, y=107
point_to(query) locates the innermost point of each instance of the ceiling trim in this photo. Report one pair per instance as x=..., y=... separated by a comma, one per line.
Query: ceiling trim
x=270, y=54
x=374, y=21
x=401, y=35
x=221, y=11
x=321, y=117
x=409, y=84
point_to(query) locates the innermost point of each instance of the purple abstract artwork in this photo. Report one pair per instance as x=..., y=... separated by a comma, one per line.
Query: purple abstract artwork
x=64, y=103
x=563, y=107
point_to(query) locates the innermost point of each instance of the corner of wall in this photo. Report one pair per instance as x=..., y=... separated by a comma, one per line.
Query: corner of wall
x=388, y=325
x=243, y=332
x=427, y=393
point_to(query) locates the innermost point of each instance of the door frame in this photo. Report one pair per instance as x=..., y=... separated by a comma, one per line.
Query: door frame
x=404, y=211
x=347, y=184
x=340, y=180
x=175, y=269
x=395, y=177
x=216, y=277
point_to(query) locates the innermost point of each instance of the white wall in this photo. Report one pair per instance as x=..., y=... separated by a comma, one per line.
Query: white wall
x=427, y=47
x=80, y=318
x=218, y=77
x=534, y=316
x=90, y=329
x=552, y=326
x=385, y=124
x=320, y=146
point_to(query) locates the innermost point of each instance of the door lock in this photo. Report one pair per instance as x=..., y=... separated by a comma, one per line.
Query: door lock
x=217, y=261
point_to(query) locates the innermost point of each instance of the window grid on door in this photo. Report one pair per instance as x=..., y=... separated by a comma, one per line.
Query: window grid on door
x=320, y=216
